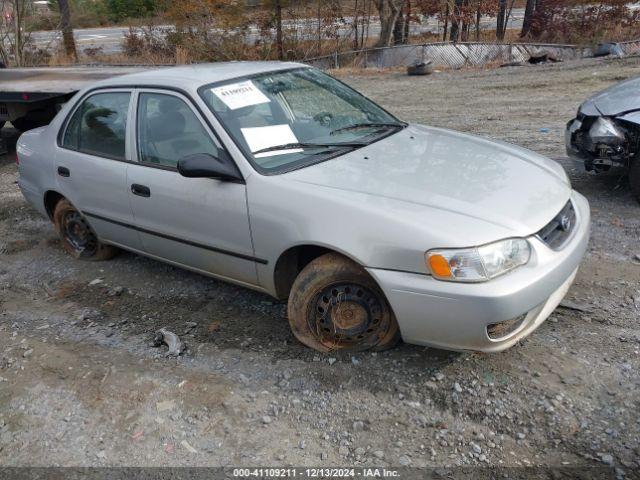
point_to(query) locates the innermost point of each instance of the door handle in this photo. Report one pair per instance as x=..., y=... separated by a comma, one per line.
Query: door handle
x=63, y=171
x=140, y=190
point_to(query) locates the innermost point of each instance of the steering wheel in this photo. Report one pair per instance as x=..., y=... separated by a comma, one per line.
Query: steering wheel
x=323, y=118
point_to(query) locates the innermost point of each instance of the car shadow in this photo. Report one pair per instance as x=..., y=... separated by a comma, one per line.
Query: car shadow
x=610, y=187
x=207, y=312
x=8, y=139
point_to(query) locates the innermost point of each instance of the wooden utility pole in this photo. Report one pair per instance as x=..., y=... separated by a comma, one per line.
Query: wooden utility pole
x=67, y=30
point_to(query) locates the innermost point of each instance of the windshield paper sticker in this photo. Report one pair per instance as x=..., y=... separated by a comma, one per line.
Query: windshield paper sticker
x=264, y=137
x=238, y=95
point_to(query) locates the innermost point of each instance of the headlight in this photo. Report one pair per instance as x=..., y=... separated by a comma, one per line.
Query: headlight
x=604, y=130
x=478, y=264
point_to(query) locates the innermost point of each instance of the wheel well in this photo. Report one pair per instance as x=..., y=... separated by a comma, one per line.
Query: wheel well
x=291, y=263
x=51, y=199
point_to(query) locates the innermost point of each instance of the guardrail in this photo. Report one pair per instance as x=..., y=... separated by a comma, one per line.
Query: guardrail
x=456, y=55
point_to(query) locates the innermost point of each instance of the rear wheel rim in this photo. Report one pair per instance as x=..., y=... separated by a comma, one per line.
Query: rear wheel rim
x=78, y=234
x=347, y=315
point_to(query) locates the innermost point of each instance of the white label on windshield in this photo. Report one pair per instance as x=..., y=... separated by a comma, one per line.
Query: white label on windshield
x=264, y=137
x=238, y=95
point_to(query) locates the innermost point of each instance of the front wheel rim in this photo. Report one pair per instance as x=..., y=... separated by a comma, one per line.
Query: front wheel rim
x=347, y=315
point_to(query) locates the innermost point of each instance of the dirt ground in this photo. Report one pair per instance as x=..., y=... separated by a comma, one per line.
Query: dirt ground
x=80, y=384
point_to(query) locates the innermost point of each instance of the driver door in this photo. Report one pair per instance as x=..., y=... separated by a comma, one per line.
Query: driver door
x=199, y=223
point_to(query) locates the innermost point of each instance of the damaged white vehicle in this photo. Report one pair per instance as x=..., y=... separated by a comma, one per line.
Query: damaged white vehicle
x=606, y=132
x=280, y=178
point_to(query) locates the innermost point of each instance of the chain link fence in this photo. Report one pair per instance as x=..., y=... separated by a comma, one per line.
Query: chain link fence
x=630, y=48
x=449, y=55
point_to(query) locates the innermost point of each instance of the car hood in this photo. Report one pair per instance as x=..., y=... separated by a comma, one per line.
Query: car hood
x=491, y=181
x=620, y=98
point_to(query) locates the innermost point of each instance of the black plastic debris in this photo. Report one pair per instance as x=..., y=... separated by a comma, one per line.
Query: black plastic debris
x=420, y=68
x=543, y=56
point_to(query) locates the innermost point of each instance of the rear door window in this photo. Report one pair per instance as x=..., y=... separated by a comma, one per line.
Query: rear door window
x=99, y=125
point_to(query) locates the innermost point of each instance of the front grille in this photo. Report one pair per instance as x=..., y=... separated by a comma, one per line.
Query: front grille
x=558, y=230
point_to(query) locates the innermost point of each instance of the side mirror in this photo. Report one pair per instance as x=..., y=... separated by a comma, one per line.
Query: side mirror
x=205, y=165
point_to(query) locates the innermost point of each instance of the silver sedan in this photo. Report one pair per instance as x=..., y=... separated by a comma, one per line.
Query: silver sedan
x=280, y=178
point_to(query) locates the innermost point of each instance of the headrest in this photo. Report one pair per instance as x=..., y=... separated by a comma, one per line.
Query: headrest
x=166, y=126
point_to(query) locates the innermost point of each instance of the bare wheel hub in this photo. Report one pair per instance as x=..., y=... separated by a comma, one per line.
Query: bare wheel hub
x=347, y=314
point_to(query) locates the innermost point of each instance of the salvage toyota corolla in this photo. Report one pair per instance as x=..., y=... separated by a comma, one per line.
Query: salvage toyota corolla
x=280, y=178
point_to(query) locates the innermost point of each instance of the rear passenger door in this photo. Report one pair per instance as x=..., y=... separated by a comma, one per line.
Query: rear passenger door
x=201, y=223
x=91, y=163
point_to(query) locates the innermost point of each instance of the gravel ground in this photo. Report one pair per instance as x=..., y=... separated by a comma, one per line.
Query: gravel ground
x=80, y=384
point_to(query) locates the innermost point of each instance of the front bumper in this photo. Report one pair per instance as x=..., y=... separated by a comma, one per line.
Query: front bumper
x=455, y=316
x=592, y=156
x=573, y=151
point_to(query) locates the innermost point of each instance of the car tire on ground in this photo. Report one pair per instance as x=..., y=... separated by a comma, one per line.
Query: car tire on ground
x=634, y=177
x=335, y=305
x=77, y=236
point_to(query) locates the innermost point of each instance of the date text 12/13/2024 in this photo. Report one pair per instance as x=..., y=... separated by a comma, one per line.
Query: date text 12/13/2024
x=315, y=473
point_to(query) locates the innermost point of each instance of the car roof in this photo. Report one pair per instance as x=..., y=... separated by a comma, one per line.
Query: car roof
x=194, y=76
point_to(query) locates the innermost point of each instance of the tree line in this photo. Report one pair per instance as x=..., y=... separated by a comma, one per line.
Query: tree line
x=201, y=30
x=542, y=19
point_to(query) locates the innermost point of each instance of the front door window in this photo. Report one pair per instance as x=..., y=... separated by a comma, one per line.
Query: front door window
x=169, y=130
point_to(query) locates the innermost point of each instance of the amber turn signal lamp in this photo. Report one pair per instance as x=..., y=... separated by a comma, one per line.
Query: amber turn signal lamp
x=439, y=266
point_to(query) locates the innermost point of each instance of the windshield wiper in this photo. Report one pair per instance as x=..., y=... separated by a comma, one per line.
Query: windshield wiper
x=367, y=125
x=291, y=146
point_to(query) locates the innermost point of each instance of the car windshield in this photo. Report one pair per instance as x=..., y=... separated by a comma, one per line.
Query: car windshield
x=287, y=119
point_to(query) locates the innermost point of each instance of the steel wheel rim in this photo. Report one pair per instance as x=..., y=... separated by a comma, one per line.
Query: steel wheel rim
x=344, y=315
x=78, y=234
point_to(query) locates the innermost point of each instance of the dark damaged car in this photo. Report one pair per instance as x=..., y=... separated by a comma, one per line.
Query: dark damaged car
x=606, y=132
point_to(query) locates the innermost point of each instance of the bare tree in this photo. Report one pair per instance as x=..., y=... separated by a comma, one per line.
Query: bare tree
x=355, y=25
x=67, y=30
x=478, y=17
x=389, y=10
x=455, y=21
x=529, y=12
x=14, y=38
x=446, y=20
x=279, y=44
x=502, y=21
x=465, y=21
x=402, y=27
